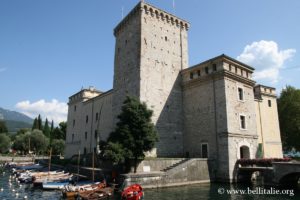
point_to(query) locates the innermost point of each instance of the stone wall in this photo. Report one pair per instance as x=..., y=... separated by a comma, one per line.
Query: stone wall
x=267, y=122
x=190, y=172
x=85, y=118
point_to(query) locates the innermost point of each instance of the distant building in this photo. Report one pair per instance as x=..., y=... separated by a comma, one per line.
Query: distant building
x=211, y=110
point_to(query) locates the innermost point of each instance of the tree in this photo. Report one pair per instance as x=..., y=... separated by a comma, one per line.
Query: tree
x=35, y=124
x=58, y=146
x=3, y=128
x=60, y=132
x=46, y=129
x=40, y=122
x=31, y=141
x=134, y=134
x=289, y=117
x=4, y=143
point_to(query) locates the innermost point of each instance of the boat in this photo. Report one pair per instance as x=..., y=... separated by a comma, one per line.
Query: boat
x=52, y=178
x=133, y=192
x=101, y=193
x=72, y=191
x=54, y=185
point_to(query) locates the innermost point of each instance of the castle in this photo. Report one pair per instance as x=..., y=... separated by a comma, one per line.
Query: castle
x=211, y=110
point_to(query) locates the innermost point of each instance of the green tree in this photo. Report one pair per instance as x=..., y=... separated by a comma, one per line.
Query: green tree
x=58, y=146
x=4, y=143
x=3, y=128
x=289, y=117
x=60, y=132
x=135, y=133
x=32, y=140
x=46, y=129
x=40, y=122
x=35, y=124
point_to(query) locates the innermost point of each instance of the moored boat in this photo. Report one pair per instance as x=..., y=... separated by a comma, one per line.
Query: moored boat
x=133, y=192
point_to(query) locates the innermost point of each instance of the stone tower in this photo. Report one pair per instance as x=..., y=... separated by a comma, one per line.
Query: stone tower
x=151, y=49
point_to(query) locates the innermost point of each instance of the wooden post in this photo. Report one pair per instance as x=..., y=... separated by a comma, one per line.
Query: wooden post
x=93, y=168
x=49, y=165
x=78, y=163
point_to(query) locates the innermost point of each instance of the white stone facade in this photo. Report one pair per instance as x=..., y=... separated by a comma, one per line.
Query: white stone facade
x=208, y=110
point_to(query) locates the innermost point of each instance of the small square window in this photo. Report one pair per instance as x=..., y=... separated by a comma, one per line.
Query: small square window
x=241, y=94
x=215, y=67
x=96, y=134
x=97, y=116
x=75, y=108
x=85, y=135
x=191, y=75
x=269, y=103
x=86, y=119
x=73, y=122
x=206, y=70
x=243, y=121
x=229, y=67
x=199, y=73
x=72, y=137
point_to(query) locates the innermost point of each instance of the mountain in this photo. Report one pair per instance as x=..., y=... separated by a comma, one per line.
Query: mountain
x=14, y=116
x=15, y=120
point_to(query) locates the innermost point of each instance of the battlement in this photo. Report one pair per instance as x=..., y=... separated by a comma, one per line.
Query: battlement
x=260, y=90
x=154, y=12
x=84, y=95
x=222, y=63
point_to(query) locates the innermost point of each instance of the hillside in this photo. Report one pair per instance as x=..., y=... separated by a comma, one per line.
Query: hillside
x=15, y=120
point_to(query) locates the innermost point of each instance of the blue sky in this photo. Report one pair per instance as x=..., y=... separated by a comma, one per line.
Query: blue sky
x=50, y=49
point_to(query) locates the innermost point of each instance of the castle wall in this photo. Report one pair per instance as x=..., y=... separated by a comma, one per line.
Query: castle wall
x=164, y=54
x=267, y=122
x=85, y=117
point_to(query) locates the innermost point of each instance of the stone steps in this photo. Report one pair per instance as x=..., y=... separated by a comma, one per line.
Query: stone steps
x=175, y=165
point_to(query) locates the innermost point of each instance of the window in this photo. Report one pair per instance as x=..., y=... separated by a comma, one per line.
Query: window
x=73, y=122
x=191, y=75
x=95, y=149
x=86, y=119
x=199, y=73
x=84, y=151
x=229, y=67
x=85, y=135
x=269, y=103
x=215, y=67
x=243, y=122
x=241, y=94
x=97, y=116
x=166, y=38
x=72, y=137
x=204, y=150
x=74, y=108
x=206, y=70
x=96, y=134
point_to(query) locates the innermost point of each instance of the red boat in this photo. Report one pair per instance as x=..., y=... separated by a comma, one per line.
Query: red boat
x=133, y=192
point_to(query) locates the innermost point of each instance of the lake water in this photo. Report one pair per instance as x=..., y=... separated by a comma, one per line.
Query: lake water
x=12, y=190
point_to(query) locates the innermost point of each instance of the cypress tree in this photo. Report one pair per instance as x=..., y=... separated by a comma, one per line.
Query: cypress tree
x=35, y=124
x=46, y=129
x=40, y=125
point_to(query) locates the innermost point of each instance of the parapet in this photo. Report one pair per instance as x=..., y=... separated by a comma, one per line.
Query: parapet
x=154, y=12
x=84, y=95
x=262, y=90
x=220, y=65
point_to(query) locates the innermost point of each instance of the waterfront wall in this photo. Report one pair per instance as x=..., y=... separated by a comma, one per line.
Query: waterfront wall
x=191, y=171
x=21, y=159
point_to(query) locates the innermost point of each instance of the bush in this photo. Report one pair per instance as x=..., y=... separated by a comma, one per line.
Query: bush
x=263, y=162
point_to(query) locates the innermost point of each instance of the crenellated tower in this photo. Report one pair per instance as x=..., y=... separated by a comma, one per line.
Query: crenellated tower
x=151, y=49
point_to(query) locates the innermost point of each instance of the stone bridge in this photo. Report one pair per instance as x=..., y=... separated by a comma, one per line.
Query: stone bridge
x=286, y=172
x=281, y=173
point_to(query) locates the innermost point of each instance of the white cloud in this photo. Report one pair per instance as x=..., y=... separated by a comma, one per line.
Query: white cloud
x=2, y=69
x=53, y=110
x=266, y=58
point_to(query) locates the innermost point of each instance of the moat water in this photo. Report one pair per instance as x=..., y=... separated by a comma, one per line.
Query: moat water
x=10, y=189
